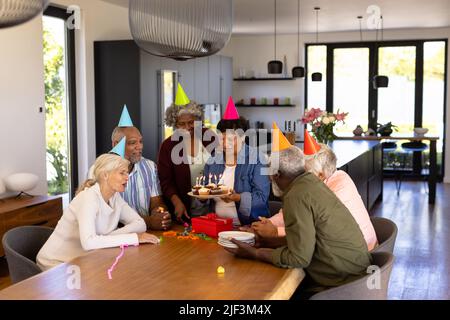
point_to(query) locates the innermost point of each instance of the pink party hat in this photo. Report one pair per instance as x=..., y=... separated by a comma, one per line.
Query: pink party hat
x=231, y=112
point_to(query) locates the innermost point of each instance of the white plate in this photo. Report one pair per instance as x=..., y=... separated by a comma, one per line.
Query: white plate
x=230, y=245
x=238, y=235
x=204, y=197
x=229, y=242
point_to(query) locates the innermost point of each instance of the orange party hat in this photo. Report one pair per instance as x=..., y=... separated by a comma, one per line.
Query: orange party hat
x=279, y=141
x=311, y=145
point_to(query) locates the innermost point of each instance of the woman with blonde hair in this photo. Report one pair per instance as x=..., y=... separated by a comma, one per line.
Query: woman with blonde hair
x=91, y=220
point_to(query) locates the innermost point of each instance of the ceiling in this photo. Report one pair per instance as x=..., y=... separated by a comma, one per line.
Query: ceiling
x=257, y=16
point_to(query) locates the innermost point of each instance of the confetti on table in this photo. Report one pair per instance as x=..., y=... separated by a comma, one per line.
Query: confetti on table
x=220, y=270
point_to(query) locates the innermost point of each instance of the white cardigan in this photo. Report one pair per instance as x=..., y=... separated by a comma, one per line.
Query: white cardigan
x=90, y=223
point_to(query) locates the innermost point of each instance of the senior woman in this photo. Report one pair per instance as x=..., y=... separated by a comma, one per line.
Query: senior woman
x=240, y=168
x=182, y=158
x=92, y=217
x=323, y=165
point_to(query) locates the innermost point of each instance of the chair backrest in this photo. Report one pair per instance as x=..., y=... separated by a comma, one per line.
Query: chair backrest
x=370, y=287
x=21, y=246
x=386, y=231
x=274, y=207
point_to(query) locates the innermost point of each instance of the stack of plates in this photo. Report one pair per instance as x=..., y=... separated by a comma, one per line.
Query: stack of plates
x=225, y=236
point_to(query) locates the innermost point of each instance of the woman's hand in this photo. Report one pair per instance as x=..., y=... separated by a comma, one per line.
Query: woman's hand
x=147, y=238
x=232, y=197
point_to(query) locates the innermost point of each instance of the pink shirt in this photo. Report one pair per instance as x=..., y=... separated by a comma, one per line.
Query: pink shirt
x=344, y=188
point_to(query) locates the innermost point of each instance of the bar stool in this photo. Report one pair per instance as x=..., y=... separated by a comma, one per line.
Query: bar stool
x=389, y=147
x=411, y=147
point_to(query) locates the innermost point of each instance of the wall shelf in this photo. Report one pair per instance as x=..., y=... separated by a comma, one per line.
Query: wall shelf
x=262, y=79
x=266, y=105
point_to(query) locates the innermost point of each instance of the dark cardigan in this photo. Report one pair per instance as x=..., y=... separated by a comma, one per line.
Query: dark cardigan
x=175, y=178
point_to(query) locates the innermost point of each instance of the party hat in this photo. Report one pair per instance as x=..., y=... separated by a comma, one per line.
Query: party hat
x=311, y=145
x=231, y=112
x=181, y=98
x=279, y=141
x=119, y=149
x=125, y=120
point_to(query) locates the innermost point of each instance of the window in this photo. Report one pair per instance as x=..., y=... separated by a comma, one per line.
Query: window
x=60, y=104
x=415, y=96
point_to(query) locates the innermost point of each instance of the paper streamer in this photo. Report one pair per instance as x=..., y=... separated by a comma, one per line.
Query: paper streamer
x=110, y=270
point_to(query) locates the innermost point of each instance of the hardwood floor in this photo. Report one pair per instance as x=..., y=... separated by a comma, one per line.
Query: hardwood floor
x=422, y=256
x=422, y=250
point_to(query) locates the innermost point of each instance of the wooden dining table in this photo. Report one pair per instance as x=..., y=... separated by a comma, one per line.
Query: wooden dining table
x=175, y=269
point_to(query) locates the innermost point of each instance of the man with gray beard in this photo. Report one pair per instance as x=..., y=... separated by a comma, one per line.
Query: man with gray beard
x=322, y=237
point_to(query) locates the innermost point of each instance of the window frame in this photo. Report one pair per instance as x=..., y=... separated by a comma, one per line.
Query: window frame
x=373, y=69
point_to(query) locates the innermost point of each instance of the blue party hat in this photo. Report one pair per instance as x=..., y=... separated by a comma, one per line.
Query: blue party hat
x=125, y=120
x=119, y=149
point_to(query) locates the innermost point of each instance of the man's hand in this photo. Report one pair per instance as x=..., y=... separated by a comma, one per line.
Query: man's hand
x=159, y=219
x=265, y=228
x=232, y=197
x=243, y=250
x=180, y=211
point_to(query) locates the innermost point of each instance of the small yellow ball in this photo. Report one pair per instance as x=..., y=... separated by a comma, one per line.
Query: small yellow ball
x=220, y=270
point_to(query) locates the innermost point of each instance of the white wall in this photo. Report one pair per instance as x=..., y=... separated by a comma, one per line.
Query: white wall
x=22, y=127
x=253, y=52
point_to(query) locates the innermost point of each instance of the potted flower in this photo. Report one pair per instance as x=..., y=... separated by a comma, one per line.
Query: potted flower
x=322, y=123
x=385, y=130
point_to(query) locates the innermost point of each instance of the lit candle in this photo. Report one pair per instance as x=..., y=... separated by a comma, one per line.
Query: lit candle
x=215, y=178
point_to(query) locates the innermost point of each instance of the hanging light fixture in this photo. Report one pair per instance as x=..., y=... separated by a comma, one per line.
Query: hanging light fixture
x=379, y=81
x=298, y=72
x=360, y=27
x=15, y=12
x=181, y=30
x=275, y=66
x=317, y=76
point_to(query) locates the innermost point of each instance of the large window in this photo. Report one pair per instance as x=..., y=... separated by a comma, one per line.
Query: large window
x=60, y=114
x=415, y=96
x=351, y=70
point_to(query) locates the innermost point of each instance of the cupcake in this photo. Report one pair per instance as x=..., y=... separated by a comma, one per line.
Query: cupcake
x=203, y=191
x=224, y=189
x=211, y=185
x=216, y=191
x=195, y=189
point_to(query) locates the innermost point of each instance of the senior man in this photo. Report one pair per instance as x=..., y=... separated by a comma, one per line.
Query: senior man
x=321, y=235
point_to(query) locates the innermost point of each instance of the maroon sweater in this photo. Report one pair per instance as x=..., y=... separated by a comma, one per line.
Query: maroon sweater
x=175, y=178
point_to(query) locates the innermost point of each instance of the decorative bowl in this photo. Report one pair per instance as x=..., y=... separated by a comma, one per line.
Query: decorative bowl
x=21, y=182
x=420, y=131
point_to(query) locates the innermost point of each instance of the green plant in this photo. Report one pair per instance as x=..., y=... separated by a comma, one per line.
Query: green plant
x=386, y=129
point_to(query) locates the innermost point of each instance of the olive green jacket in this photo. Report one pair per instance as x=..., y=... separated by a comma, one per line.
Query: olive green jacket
x=322, y=235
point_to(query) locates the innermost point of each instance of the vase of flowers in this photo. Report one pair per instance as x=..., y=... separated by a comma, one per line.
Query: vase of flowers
x=322, y=123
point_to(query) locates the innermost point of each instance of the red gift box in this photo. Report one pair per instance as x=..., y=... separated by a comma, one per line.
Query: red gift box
x=211, y=225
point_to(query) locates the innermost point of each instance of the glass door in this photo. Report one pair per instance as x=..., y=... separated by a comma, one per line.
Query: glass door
x=350, y=89
x=167, y=83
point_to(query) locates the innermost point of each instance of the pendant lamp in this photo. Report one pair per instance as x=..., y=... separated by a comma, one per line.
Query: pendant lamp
x=275, y=66
x=317, y=76
x=15, y=12
x=181, y=30
x=298, y=72
x=379, y=81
